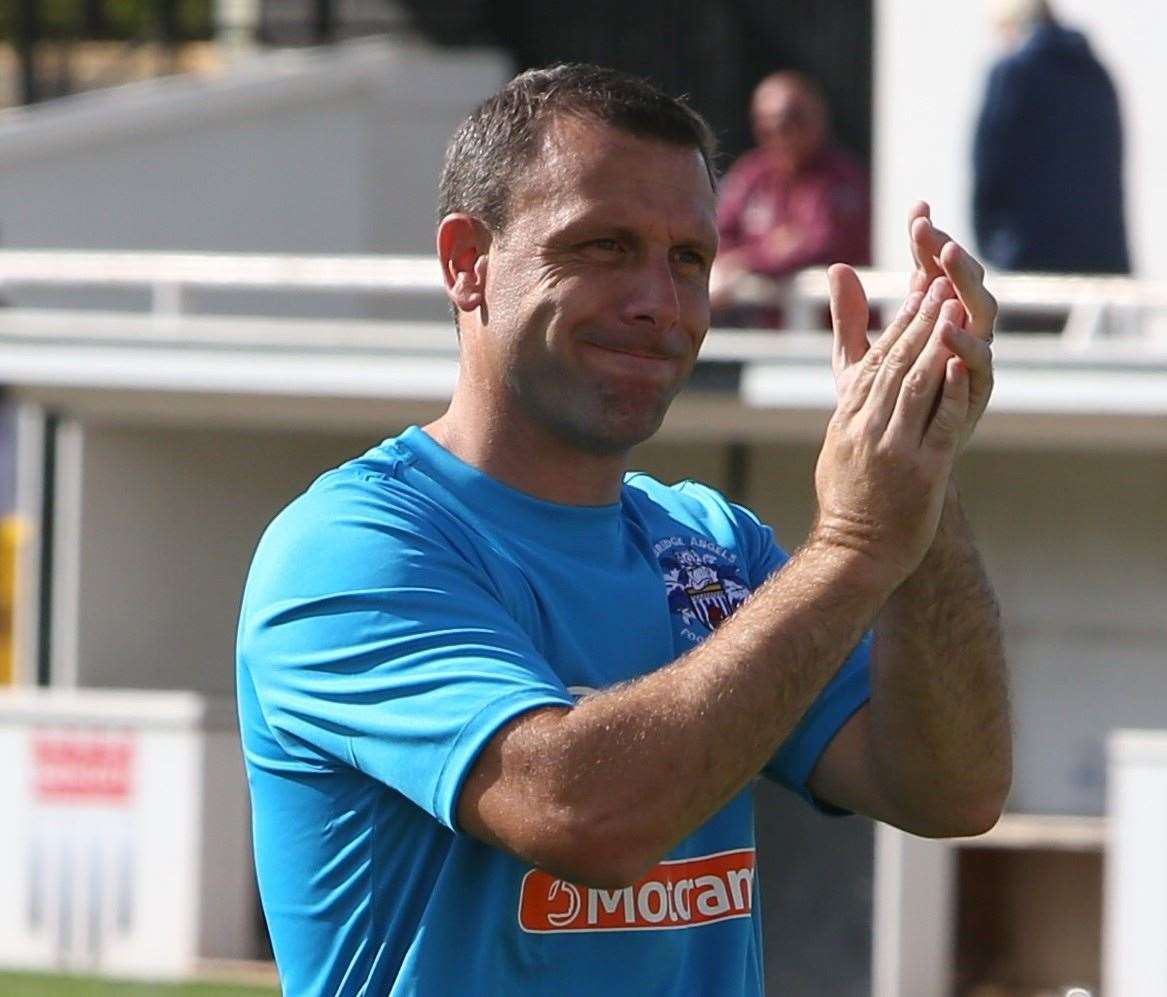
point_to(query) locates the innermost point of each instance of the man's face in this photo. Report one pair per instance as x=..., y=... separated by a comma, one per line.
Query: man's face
x=597, y=292
x=789, y=121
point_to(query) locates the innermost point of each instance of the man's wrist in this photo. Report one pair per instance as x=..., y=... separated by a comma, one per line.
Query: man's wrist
x=853, y=564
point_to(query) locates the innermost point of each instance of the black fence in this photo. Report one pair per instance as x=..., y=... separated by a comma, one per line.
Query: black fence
x=48, y=36
x=45, y=34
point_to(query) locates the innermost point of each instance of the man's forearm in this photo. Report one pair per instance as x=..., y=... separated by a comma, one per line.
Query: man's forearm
x=941, y=739
x=641, y=766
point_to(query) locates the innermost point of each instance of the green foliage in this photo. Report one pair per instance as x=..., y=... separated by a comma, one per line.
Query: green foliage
x=30, y=985
x=126, y=20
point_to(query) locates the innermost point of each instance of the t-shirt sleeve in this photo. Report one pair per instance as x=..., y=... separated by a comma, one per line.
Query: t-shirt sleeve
x=374, y=641
x=847, y=691
x=841, y=698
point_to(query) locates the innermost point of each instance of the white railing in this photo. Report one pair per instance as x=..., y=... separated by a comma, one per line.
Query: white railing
x=169, y=276
x=1095, y=307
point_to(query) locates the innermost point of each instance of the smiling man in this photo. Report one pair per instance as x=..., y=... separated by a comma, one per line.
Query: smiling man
x=502, y=702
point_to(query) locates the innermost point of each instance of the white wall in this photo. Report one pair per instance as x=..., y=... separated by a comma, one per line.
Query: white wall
x=931, y=63
x=170, y=518
x=335, y=151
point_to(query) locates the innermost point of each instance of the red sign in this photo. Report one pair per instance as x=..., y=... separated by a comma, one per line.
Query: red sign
x=676, y=894
x=83, y=767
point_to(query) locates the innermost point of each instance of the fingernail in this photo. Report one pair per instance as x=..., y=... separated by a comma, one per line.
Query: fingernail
x=940, y=289
x=912, y=303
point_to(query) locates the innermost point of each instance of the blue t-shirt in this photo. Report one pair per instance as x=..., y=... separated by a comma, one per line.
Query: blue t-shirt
x=396, y=616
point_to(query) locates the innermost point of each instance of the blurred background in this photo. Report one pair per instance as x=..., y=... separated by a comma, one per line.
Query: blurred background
x=216, y=227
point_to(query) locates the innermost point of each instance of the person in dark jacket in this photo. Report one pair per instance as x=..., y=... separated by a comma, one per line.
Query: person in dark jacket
x=1048, y=190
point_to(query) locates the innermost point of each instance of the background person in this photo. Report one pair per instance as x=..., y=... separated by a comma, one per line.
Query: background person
x=797, y=200
x=502, y=704
x=1048, y=189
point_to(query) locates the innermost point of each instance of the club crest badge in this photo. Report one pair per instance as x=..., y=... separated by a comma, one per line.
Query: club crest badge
x=703, y=582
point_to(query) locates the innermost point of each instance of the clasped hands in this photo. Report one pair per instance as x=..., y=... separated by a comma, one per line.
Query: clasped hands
x=907, y=403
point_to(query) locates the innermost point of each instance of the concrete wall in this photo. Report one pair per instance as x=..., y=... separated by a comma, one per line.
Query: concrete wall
x=1076, y=547
x=334, y=152
x=170, y=518
x=931, y=62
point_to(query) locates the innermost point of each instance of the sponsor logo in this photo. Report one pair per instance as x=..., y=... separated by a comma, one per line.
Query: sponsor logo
x=83, y=768
x=681, y=893
x=703, y=581
x=81, y=858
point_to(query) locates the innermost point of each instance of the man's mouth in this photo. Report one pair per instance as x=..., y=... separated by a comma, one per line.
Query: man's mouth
x=636, y=361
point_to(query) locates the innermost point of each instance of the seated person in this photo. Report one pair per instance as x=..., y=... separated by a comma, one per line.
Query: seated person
x=795, y=201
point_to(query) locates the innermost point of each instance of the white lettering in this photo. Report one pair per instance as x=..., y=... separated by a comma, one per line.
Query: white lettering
x=564, y=918
x=681, y=898
x=741, y=882
x=712, y=901
x=644, y=905
x=610, y=900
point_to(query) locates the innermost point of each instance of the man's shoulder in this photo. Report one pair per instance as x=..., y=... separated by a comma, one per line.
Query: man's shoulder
x=363, y=509
x=376, y=481
x=686, y=493
x=688, y=501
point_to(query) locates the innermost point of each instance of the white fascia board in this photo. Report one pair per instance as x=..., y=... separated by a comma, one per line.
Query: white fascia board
x=418, y=360
x=1081, y=392
x=789, y=386
x=354, y=375
x=1054, y=390
x=41, y=328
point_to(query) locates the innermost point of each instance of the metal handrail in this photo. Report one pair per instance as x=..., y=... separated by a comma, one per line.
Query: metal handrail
x=398, y=273
x=1096, y=305
x=388, y=274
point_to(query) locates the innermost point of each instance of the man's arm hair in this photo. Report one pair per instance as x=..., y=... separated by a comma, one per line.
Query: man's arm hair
x=932, y=752
x=942, y=723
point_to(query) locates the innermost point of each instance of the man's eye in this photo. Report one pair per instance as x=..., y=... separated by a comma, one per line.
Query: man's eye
x=606, y=245
x=690, y=257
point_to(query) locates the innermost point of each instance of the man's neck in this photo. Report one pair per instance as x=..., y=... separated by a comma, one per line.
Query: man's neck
x=528, y=458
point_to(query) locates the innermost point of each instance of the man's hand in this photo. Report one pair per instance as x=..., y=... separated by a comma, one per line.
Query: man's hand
x=936, y=253
x=931, y=752
x=907, y=403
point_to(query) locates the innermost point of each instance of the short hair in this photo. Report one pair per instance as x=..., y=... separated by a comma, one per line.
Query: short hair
x=495, y=144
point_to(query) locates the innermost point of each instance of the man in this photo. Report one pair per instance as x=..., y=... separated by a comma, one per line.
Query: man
x=796, y=200
x=1047, y=158
x=502, y=705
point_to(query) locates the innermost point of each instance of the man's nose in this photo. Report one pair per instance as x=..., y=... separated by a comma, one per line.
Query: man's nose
x=653, y=296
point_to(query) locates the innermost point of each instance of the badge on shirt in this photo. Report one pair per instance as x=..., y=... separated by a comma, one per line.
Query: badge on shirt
x=704, y=584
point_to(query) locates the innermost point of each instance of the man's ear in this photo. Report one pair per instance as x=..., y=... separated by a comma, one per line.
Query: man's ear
x=463, y=250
